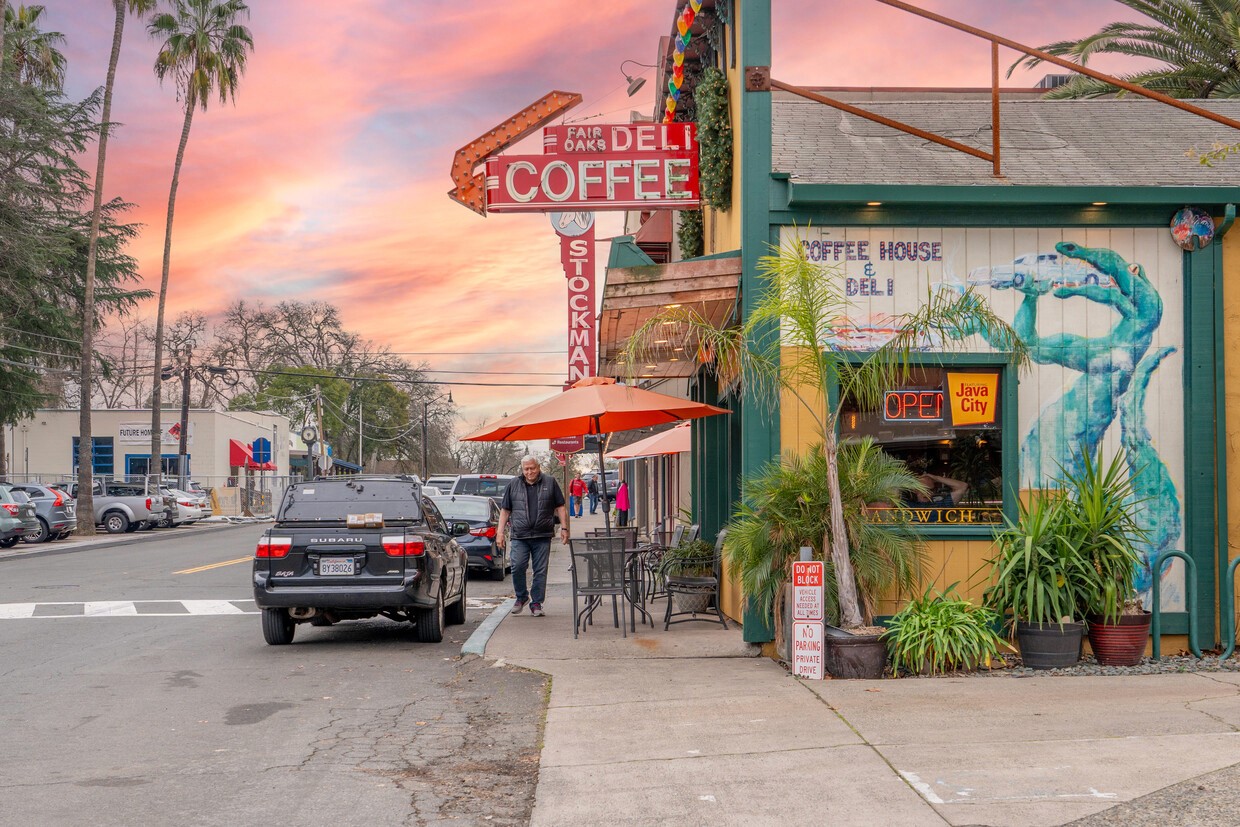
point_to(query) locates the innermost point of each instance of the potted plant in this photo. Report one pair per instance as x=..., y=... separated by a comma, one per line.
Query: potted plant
x=691, y=563
x=777, y=353
x=1040, y=580
x=1100, y=519
x=937, y=633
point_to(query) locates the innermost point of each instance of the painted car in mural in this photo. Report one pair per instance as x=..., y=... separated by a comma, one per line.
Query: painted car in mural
x=1048, y=269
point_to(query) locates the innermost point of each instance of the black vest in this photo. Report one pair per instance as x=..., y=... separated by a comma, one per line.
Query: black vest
x=526, y=526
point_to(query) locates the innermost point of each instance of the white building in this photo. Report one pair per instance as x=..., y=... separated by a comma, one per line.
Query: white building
x=220, y=443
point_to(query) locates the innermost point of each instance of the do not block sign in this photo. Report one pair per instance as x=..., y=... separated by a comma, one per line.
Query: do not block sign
x=807, y=650
x=807, y=585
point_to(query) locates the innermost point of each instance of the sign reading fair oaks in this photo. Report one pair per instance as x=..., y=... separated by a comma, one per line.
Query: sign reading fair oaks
x=600, y=167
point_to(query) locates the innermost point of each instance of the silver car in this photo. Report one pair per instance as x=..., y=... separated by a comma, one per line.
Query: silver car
x=17, y=516
x=55, y=509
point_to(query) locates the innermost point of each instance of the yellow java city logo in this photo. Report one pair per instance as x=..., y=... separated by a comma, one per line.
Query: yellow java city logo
x=973, y=396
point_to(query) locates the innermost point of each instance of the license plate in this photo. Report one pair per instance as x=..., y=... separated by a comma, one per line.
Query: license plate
x=336, y=565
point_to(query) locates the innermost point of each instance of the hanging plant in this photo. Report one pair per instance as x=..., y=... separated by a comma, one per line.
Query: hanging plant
x=714, y=137
x=689, y=233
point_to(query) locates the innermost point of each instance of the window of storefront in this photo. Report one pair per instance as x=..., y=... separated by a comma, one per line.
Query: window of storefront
x=948, y=424
x=102, y=455
x=137, y=465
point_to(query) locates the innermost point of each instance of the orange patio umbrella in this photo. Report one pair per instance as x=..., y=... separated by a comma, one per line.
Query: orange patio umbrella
x=676, y=440
x=594, y=405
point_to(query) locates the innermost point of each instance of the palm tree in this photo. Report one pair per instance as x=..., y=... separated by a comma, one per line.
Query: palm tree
x=204, y=51
x=36, y=60
x=85, y=444
x=1196, y=43
x=779, y=347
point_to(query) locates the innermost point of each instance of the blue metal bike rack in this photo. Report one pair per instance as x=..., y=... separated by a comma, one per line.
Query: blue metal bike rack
x=1227, y=611
x=1190, y=580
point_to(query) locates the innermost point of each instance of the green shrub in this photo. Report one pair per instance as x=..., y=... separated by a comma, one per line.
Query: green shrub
x=695, y=558
x=942, y=634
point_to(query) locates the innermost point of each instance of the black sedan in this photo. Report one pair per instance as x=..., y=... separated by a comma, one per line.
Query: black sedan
x=482, y=514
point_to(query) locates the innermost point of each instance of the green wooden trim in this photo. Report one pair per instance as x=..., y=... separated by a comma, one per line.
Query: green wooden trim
x=807, y=194
x=1221, y=438
x=1199, y=495
x=977, y=215
x=759, y=441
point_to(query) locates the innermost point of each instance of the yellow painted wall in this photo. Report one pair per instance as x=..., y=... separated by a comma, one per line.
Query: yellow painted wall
x=722, y=230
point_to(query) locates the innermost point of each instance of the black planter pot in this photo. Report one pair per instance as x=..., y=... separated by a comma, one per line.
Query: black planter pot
x=847, y=655
x=1050, y=645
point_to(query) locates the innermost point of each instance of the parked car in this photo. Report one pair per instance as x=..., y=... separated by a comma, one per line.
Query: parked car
x=613, y=483
x=55, y=509
x=482, y=485
x=482, y=514
x=188, y=510
x=355, y=547
x=121, y=507
x=17, y=516
x=443, y=482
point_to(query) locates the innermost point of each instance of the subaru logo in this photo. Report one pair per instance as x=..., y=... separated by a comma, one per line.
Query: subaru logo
x=338, y=540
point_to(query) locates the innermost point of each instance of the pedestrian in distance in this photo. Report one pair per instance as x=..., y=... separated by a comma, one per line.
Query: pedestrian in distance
x=576, y=495
x=622, y=504
x=530, y=506
x=592, y=491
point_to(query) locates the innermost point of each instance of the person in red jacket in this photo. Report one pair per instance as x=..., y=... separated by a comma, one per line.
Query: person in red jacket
x=576, y=492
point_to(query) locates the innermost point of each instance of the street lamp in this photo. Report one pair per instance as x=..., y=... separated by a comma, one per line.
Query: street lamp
x=426, y=404
x=636, y=82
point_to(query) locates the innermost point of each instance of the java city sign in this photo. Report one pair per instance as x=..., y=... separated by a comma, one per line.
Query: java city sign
x=643, y=166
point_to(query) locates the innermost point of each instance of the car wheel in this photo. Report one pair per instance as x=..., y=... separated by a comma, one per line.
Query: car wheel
x=39, y=536
x=430, y=622
x=1018, y=280
x=115, y=523
x=9, y=542
x=278, y=627
x=455, y=615
x=497, y=574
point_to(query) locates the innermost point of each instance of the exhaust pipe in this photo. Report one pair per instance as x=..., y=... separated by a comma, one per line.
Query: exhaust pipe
x=302, y=613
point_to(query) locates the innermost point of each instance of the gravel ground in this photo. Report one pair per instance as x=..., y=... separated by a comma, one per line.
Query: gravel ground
x=1211, y=800
x=1168, y=665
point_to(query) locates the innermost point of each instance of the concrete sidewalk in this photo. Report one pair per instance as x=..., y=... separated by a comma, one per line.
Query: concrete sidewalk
x=689, y=727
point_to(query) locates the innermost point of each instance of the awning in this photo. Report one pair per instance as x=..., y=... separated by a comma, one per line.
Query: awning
x=632, y=295
x=240, y=455
x=261, y=466
x=676, y=440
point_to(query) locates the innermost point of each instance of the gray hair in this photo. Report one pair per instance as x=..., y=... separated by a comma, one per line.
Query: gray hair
x=531, y=458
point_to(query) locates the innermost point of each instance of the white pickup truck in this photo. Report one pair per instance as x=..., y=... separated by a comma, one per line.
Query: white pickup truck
x=121, y=507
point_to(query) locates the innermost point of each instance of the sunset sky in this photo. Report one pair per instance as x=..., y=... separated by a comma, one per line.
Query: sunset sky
x=328, y=178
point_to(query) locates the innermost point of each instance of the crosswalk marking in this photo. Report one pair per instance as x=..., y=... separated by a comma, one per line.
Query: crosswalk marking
x=127, y=608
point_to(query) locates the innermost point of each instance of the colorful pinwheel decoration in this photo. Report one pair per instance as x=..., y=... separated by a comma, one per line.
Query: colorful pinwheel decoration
x=684, y=24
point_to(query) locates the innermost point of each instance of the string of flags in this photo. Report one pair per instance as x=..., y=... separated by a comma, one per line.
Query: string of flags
x=683, y=25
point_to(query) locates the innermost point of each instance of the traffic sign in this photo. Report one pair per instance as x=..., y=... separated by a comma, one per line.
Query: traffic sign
x=568, y=444
x=807, y=655
x=807, y=588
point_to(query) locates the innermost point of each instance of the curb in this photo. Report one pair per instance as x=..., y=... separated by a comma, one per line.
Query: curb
x=125, y=540
x=477, y=643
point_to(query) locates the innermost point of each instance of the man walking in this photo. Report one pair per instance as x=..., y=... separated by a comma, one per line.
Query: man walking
x=576, y=493
x=531, y=502
x=592, y=490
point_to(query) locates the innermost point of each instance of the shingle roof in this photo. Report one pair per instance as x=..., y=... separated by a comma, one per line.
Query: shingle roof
x=1115, y=142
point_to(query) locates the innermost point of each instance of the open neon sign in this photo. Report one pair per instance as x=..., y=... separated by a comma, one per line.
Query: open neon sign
x=913, y=405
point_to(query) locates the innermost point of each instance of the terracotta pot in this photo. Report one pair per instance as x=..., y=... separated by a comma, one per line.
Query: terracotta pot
x=1049, y=645
x=846, y=655
x=1121, y=643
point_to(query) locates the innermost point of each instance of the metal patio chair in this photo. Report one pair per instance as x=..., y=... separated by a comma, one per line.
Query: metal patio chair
x=696, y=588
x=600, y=568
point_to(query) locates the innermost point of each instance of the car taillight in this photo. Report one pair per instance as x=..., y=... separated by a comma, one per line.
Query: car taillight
x=488, y=477
x=273, y=546
x=400, y=546
x=148, y=503
x=12, y=508
x=184, y=503
x=59, y=499
x=489, y=531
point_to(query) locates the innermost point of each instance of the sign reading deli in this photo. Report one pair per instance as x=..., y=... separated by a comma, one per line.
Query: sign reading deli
x=974, y=397
x=619, y=167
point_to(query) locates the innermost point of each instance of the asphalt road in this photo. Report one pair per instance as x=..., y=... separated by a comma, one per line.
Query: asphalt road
x=138, y=690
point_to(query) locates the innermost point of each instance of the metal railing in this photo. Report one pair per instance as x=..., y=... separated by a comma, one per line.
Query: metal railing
x=1190, y=581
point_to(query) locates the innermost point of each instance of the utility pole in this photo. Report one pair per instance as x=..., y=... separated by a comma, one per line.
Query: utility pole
x=426, y=403
x=182, y=454
x=359, y=430
x=318, y=413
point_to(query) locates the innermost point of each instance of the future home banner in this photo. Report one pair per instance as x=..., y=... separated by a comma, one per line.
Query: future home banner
x=1101, y=311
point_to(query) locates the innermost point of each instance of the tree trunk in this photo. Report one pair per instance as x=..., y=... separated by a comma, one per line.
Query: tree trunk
x=154, y=467
x=86, y=458
x=2, y=33
x=837, y=539
x=4, y=448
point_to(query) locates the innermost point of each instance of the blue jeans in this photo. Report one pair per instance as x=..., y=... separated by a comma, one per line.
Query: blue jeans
x=574, y=506
x=593, y=503
x=535, y=551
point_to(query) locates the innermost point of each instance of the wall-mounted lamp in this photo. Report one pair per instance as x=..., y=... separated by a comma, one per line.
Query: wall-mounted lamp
x=636, y=82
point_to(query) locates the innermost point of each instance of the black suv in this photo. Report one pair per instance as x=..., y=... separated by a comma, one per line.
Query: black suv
x=356, y=547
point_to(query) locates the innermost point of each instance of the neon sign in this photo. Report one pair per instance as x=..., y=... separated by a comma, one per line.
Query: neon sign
x=913, y=405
